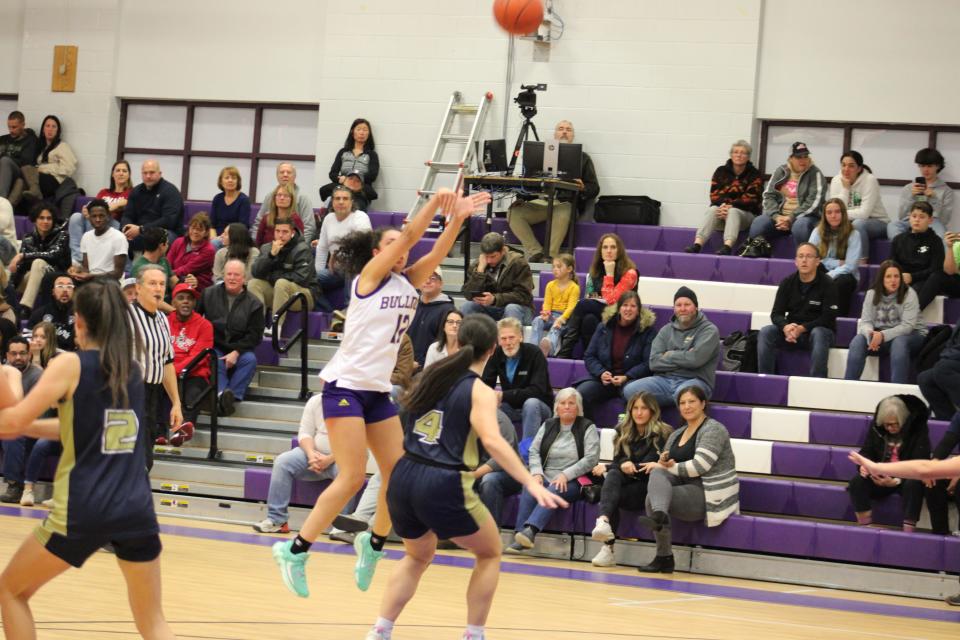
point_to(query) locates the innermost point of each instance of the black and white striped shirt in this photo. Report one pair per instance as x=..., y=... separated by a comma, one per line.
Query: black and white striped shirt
x=157, y=348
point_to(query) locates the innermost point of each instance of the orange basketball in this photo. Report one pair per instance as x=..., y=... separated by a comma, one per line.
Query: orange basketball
x=518, y=17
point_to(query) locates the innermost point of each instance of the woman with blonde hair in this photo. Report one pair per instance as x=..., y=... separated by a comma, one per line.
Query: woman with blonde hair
x=641, y=436
x=282, y=205
x=840, y=251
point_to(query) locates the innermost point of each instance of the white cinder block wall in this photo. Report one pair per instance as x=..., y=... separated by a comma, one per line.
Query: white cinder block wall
x=657, y=91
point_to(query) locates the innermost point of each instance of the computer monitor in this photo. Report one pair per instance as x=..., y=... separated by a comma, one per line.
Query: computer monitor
x=495, y=156
x=539, y=161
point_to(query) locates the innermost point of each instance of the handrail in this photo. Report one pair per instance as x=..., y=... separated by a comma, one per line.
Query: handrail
x=210, y=389
x=300, y=335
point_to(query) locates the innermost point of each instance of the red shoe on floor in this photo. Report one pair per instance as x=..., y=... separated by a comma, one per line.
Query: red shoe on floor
x=161, y=440
x=183, y=434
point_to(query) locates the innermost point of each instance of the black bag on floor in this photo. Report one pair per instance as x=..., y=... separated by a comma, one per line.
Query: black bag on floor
x=738, y=352
x=627, y=210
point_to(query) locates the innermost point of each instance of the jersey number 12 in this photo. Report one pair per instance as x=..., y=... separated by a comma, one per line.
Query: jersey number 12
x=403, y=322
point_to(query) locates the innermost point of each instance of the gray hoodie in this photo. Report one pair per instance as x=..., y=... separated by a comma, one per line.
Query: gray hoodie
x=811, y=192
x=688, y=353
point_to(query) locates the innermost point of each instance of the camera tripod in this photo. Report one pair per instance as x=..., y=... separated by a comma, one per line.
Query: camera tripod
x=525, y=130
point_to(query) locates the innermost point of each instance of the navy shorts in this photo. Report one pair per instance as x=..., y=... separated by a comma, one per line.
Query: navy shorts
x=372, y=406
x=425, y=498
x=76, y=549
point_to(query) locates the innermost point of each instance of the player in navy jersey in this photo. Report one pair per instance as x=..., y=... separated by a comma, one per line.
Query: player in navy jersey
x=356, y=400
x=101, y=492
x=449, y=412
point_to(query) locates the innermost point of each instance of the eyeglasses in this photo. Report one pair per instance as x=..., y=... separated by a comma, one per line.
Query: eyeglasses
x=806, y=256
x=455, y=323
x=67, y=287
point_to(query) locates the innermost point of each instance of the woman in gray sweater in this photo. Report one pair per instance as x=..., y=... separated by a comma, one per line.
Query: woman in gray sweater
x=566, y=447
x=695, y=478
x=889, y=323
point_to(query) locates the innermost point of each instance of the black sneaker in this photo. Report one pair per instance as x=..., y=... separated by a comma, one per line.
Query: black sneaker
x=953, y=600
x=660, y=564
x=227, y=403
x=725, y=250
x=693, y=248
x=13, y=494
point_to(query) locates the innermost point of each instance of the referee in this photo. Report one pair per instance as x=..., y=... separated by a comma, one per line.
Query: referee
x=155, y=355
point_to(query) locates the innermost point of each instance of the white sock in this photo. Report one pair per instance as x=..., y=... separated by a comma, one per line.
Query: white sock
x=476, y=631
x=384, y=626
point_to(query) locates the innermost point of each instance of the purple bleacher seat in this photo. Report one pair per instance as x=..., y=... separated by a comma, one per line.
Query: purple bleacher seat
x=951, y=554
x=716, y=239
x=607, y=414
x=846, y=330
x=562, y=373
x=192, y=208
x=800, y=460
x=751, y=388
x=265, y=353
x=920, y=551
x=736, y=532
x=777, y=270
x=766, y=495
x=736, y=269
x=692, y=266
x=951, y=310
x=840, y=465
x=784, y=247
x=674, y=239
x=642, y=237
x=817, y=500
x=588, y=234
x=652, y=264
x=856, y=305
x=879, y=250
x=838, y=428
x=783, y=537
x=256, y=483
x=846, y=543
x=380, y=218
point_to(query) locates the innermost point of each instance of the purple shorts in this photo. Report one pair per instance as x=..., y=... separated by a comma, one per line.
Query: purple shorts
x=372, y=406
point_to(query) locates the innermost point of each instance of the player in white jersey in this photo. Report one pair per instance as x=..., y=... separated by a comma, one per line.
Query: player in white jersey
x=356, y=402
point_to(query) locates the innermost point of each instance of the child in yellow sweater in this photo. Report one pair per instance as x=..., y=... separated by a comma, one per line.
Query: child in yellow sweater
x=562, y=295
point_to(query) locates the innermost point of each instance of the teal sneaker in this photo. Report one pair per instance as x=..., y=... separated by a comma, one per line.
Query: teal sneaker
x=292, y=568
x=367, y=558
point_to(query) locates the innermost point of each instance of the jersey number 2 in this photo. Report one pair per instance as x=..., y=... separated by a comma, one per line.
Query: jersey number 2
x=403, y=321
x=120, y=428
x=429, y=426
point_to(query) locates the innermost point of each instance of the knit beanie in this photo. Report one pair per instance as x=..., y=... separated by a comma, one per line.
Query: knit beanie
x=686, y=292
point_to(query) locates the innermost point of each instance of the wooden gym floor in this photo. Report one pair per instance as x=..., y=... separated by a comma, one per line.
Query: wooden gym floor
x=220, y=583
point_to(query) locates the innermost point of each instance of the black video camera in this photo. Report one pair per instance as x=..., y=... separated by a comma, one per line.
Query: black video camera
x=527, y=99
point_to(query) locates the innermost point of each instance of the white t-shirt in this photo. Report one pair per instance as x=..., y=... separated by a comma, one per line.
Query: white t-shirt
x=332, y=230
x=100, y=250
x=313, y=426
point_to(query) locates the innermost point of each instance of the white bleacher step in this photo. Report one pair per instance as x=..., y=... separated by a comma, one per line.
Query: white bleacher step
x=275, y=411
x=256, y=425
x=843, y=395
x=275, y=378
x=186, y=477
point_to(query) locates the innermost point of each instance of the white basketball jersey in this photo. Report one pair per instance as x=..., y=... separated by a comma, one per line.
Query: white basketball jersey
x=372, y=334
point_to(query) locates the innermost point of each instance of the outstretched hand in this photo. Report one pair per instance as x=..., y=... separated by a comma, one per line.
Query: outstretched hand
x=456, y=207
x=863, y=463
x=545, y=498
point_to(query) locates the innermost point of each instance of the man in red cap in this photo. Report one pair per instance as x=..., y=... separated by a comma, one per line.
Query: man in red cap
x=190, y=334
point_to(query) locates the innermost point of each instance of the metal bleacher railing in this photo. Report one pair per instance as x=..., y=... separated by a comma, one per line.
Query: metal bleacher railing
x=300, y=336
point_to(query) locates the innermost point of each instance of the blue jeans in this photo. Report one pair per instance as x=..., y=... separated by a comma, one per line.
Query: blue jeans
x=42, y=449
x=531, y=514
x=238, y=378
x=289, y=466
x=531, y=415
x=518, y=311
x=77, y=226
x=666, y=389
x=595, y=393
x=541, y=327
x=818, y=342
x=329, y=280
x=801, y=229
x=869, y=229
x=14, y=458
x=494, y=488
x=902, y=349
x=897, y=227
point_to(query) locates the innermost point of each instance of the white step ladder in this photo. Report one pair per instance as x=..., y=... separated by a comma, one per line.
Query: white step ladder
x=454, y=151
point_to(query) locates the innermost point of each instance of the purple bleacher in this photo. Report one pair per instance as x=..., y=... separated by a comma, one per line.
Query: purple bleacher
x=265, y=353
x=192, y=208
x=734, y=269
x=838, y=428
x=777, y=270
x=811, y=461
x=736, y=419
x=380, y=218
x=924, y=551
x=674, y=239
x=783, y=537
x=951, y=311
x=634, y=237
x=751, y=388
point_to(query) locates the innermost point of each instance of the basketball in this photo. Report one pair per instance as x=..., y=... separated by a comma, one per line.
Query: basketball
x=518, y=17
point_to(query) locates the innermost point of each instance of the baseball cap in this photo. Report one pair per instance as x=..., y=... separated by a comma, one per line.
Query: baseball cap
x=183, y=286
x=799, y=149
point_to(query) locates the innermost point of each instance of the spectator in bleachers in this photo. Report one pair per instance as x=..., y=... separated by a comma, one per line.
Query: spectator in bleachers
x=190, y=334
x=311, y=460
x=859, y=190
x=525, y=393
x=403, y=369
x=618, y=353
x=59, y=312
x=559, y=301
x=684, y=354
x=428, y=320
x=354, y=182
x=695, y=478
x=191, y=255
x=152, y=203
x=43, y=344
x=447, y=342
x=804, y=315
x=494, y=485
x=103, y=249
x=357, y=156
x=229, y=206
x=640, y=438
x=566, y=447
x=940, y=385
x=43, y=348
x=735, y=191
x=287, y=176
x=129, y=288
x=524, y=213
x=8, y=232
x=237, y=245
x=56, y=164
x=920, y=253
x=499, y=283
x=931, y=190
x=897, y=432
x=611, y=273
x=840, y=251
x=284, y=268
x=18, y=149
x=344, y=219
x=116, y=198
x=15, y=451
x=281, y=205
x=792, y=199
x=44, y=251
x=889, y=323
x=155, y=253
x=944, y=281
x=237, y=319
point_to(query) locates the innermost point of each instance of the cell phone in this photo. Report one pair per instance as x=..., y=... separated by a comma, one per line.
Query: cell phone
x=920, y=180
x=474, y=294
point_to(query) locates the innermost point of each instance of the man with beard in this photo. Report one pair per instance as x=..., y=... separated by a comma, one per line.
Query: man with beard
x=59, y=312
x=15, y=452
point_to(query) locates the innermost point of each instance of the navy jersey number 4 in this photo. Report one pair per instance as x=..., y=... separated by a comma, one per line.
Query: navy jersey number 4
x=429, y=426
